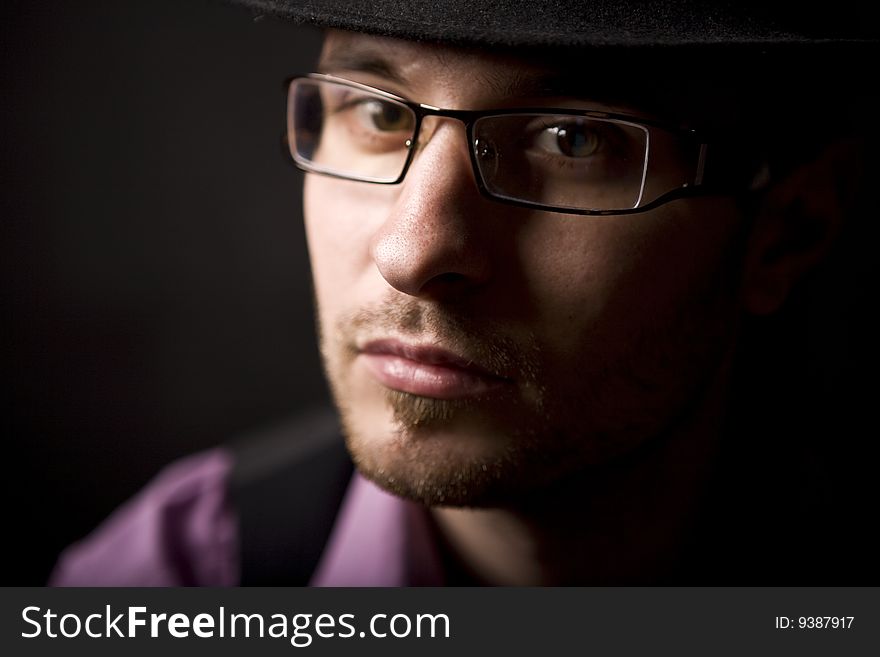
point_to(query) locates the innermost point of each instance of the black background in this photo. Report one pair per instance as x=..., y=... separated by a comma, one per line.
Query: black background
x=155, y=281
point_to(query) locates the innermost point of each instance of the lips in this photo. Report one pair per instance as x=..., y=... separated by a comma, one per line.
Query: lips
x=427, y=371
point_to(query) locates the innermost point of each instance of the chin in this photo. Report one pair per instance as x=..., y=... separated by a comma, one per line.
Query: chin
x=445, y=454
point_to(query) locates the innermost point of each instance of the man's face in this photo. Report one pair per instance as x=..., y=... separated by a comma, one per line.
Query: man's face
x=480, y=351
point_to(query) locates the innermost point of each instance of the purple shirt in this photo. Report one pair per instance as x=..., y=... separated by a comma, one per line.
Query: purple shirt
x=182, y=530
x=379, y=540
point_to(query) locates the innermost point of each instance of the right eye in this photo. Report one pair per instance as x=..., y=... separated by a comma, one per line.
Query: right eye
x=383, y=116
x=372, y=124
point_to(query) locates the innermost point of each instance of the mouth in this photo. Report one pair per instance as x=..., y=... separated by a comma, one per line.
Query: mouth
x=427, y=371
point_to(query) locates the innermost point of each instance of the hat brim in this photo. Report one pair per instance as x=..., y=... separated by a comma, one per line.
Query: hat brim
x=580, y=23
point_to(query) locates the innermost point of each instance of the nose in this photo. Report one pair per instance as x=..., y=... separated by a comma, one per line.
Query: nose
x=433, y=241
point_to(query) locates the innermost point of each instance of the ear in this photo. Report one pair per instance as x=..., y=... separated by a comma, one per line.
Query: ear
x=796, y=224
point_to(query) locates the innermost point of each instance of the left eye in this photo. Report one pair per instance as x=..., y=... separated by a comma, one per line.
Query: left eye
x=573, y=139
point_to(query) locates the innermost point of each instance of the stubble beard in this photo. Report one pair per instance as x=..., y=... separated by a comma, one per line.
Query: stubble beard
x=414, y=413
x=511, y=449
x=472, y=451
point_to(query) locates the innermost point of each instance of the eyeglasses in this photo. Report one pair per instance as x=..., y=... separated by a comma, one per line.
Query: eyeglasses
x=584, y=162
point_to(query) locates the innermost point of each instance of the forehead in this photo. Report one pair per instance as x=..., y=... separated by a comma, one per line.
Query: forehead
x=420, y=68
x=468, y=78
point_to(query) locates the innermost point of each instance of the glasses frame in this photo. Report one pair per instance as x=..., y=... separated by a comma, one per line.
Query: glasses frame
x=697, y=187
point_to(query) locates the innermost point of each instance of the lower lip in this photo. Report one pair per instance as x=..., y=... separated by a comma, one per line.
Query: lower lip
x=428, y=380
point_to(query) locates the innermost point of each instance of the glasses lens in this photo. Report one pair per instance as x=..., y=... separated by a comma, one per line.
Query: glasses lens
x=564, y=161
x=347, y=131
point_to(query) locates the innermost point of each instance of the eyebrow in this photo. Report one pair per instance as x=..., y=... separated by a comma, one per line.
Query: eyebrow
x=362, y=60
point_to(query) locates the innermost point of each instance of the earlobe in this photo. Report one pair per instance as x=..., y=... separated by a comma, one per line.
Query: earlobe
x=797, y=223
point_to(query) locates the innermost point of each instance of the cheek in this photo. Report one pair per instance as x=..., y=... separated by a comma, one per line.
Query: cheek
x=576, y=271
x=610, y=278
x=339, y=224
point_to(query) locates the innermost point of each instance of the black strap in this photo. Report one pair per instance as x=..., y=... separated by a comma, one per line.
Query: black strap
x=287, y=485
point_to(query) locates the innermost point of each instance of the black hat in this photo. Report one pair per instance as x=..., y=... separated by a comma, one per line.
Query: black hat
x=586, y=23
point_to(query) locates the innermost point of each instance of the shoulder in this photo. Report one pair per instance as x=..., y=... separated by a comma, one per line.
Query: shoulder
x=180, y=530
x=257, y=512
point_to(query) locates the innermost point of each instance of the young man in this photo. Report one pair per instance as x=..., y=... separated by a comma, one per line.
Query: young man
x=535, y=245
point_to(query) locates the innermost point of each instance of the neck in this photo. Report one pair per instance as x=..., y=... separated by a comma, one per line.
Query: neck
x=623, y=523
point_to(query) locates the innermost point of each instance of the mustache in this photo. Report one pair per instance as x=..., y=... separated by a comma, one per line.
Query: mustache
x=487, y=343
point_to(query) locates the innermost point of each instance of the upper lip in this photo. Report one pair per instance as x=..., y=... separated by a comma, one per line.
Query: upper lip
x=427, y=354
